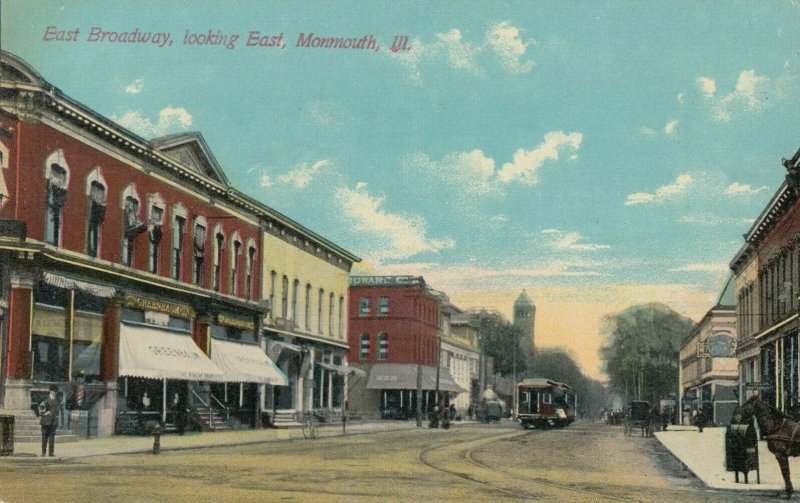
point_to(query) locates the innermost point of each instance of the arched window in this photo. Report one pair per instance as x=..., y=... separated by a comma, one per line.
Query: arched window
x=383, y=346
x=363, y=351
x=319, y=309
x=331, y=304
x=4, y=154
x=57, y=175
x=236, y=260
x=96, y=192
x=251, y=259
x=178, y=230
x=285, y=298
x=341, y=317
x=155, y=220
x=308, y=307
x=295, y=292
x=272, y=279
x=219, y=250
x=132, y=223
x=199, y=240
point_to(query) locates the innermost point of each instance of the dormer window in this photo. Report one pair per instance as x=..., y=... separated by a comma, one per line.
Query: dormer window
x=57, y=179
x=97, y=212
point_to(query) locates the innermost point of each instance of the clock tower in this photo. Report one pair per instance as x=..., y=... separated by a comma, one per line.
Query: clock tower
x=525, y=319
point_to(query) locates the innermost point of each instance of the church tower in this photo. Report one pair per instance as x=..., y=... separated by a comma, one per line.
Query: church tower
x=525, y=319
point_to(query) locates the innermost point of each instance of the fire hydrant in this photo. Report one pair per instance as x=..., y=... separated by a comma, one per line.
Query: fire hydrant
x=157, y=438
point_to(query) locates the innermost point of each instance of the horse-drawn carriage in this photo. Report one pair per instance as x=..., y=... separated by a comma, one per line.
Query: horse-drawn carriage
x=637, y=417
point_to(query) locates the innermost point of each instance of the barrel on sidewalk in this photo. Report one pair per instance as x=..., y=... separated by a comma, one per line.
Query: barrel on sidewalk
x=6, y=435
x=741, y=450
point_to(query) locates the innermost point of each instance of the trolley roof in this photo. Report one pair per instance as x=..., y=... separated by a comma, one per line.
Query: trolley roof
x=540, y=382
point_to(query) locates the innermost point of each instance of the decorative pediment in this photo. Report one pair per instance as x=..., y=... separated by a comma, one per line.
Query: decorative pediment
x=14, y=69
x=191, y=151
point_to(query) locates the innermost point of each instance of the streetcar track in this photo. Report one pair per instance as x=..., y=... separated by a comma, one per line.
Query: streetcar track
x=527, y=496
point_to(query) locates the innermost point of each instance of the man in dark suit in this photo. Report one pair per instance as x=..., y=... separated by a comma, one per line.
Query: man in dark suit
x=48, y=419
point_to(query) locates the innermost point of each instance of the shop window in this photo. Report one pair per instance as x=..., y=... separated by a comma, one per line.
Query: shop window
x=132, y=224
x=219, y=249
x=86, y=338
x=178, y=229
x=363, y=352
x=155, y=220
x=224, y=332
x=383, y=347
x=248, y=284
x=363, y=306
x=48, y=333
x=236, y=257
x=383, y=306
x=199, y=240
x=96, y=214
x=57, y=174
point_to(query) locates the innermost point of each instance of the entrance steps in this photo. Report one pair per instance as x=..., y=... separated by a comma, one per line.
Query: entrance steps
x=285, y=418
x=27, y=428
x=209, y=419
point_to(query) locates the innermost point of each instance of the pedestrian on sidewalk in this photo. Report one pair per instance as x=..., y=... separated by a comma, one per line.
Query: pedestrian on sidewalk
x=48, y=419
x=700, y=419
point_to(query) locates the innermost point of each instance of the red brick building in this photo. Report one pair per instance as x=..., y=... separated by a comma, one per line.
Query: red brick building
x=394, y=332
x=126, y=266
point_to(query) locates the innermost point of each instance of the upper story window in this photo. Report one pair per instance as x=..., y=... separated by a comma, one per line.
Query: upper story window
x=272, y=278
x=4, y=155
x=57, y=174
x=383, y=346
x=363, y=306
x=295, y=293
x=331, y=304
x=319, y=309
x=155, y=221
x=383, y=305
x=363, y=351
x=132, y=223
x=236, y=259
x=341, y=317
x=251, y=259
x=96, y=190
x=219, y=250
x=307, y=308
x=178, y=230
x=285, y=298
x=199, y=240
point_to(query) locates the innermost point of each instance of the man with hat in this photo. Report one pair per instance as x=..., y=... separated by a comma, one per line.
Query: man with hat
x=48, y=418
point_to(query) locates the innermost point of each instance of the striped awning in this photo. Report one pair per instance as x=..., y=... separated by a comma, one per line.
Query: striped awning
x=74, y=284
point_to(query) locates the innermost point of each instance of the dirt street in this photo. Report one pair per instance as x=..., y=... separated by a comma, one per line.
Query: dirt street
x=584, y=462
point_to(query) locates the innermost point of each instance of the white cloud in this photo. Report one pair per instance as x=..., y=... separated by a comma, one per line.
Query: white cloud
x=707, y=86
x=265, y=180
x=663, y=193
x=460, y=55
x=396, y=236
x=680, y=98
x=750, y=94
x=648, y=131
x=743, y=189
x=303, y=174
x=505, y=40
x=169, y=119
x=472, y=172
x=526, y=163
x=710, y=219
x=442, y=275
x=708, y=267
x=136, y=87
x=500, y=217
x=671, y=127
x=561, y=240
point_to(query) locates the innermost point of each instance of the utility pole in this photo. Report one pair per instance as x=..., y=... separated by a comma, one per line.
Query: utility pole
x=514, y=389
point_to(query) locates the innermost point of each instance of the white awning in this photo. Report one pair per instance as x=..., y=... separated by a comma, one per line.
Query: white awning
x=343, y=370
x=159, y=354
x=245, y=363
x=74, y=284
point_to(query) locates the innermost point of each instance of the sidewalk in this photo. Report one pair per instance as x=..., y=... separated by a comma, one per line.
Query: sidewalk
x=704, y=455
x=122, y=444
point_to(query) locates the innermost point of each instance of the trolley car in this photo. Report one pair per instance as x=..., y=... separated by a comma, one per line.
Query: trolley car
x=542, y=403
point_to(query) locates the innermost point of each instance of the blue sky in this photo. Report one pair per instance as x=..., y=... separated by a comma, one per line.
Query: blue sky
x=596, y=154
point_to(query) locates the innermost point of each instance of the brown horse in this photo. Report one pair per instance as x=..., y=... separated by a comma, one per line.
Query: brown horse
x=781, y=433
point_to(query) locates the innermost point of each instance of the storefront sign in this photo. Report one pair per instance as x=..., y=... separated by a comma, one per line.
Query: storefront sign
x=230, y=321
x=159, y=306
x=385, y=280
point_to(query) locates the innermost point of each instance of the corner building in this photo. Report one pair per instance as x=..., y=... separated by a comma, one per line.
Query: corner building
x=394, y=339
